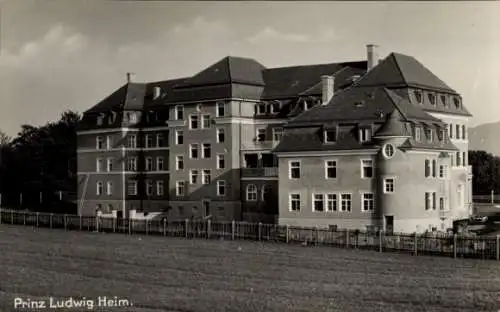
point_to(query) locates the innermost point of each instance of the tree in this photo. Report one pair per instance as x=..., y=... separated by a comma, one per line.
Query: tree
x=486, y=172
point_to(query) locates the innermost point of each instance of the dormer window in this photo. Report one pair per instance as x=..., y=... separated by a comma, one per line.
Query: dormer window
x=429, y=134
x=418, y=96
x=364, y=134
x=418, y=134
x=432, y=99
x=330, y=135
x=100, y=119
x=442, y=136
x=132, y=117
x=444, y=100
x=456, y=101
x=261, y=108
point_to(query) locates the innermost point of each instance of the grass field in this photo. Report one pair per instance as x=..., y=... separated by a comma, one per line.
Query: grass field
x=175, y=274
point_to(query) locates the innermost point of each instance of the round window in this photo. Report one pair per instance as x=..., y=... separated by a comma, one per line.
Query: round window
x=388, y=150
x=199, y=107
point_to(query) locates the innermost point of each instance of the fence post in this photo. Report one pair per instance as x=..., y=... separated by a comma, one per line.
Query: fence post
x=260, y=230
x=130, y=226
x=455, y=246
x=65, y=223
x=380, y=241
x=186, y=225
x=97, y=224
x=346, y=238
x=209, y=228
x=498, y=247
x=37, y=218
x=416, y=244
x=287, y=234
x=232, y=229
x=50, y=220
x=81, y=223
x=24, y=218
x=114, y=225
x=164, y=227
x=492, y=196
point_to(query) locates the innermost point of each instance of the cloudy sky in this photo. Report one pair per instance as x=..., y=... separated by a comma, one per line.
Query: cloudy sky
x=60, y=55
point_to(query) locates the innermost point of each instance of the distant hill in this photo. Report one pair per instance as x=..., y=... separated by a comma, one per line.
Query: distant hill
x=485, y=137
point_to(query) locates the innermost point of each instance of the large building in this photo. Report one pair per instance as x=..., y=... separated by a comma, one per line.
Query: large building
x=356, y=144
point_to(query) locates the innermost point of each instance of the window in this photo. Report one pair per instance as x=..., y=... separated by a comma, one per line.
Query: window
x=264, y=192
x=457, y=131
x=99, y=142
x=149, y=140
x=388, y=150
x=109, y=142
x=451, y=131
x=330, y=169
x=368, y=202
x=429, y=134
x=180, y=188
x=160, y=140
x=430, y=200
x=199, y=107
x=159, y=188
x=459, y=160
x=221, y=109
x=261, y=108
x=194, y=122
x=221, y=162
x=132, y=141
x=464, y=159
x=277, y=134
x=179, y=112
x=207, y=150
x=418, y=96
x=205, y=122
x=456, y=101
x=331, y=202
x=427, y=168
x=109, y=188
x=444, y=100
x=443, y=171
x=432, y=99
x=330, y=136
x=132, y=187
x=99, y=164
x=193, y=150
x=318, y=202
x=179, y=162
x=261, y=135
x=418, y=134
x=251, y=192
x=160, y=164
x=294, y=170
x=221, y=137
x=109, y=164
x=149, y=187
x=364, y=135
x=389, y=186
x=294, y=201
x=132, y=164
x=206, y=176
x=441, y=203
x=99, y=188
x=221, y=188
x=193, y=176
x=345, y=202
x=132, y=117
x=149, y=164
x=366, y=168
x=434, y=168
x=464, y=133
x=179, y=137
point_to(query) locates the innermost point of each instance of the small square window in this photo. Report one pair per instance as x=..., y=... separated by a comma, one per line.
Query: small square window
x=330, y=136
x=294, y=170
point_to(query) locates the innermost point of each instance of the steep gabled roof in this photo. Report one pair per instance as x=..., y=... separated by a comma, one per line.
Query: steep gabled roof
x=399, y=70
x=128, y=96
x=228, y=70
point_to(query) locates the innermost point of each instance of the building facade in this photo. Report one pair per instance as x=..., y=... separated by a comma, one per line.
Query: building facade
x=238, y=141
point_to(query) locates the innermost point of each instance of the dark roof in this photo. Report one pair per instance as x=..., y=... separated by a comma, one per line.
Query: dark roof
x=129, y=96
x=395, y=126
x=285, y=82
x=226, y=71
x=399, y=70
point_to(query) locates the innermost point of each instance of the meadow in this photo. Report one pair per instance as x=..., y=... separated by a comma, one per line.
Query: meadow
x=176, y=274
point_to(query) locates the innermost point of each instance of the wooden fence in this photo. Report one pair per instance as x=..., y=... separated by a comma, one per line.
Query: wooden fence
x=456, y=246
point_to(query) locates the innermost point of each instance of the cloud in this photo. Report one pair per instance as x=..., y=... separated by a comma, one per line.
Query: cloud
x=270, y=34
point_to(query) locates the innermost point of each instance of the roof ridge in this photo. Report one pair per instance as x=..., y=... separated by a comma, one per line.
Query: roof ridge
x=399, y=67
x=396, y=105
x=313, y=86
x=228, y=60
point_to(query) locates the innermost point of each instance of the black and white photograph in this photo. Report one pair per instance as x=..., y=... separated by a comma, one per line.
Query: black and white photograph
x=254, y=156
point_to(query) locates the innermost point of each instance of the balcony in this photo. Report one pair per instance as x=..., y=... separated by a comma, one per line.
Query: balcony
x=259, y=145
x=259, y=172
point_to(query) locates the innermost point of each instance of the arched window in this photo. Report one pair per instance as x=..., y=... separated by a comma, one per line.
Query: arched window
x=251, y=192
x=264, y=192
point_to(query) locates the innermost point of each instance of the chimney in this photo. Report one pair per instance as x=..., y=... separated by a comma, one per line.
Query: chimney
x=371, y=56
x=157, y=92
x=129, y=77
x=327, y=87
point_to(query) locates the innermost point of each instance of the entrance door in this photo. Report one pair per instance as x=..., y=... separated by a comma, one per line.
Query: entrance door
x=389, y=224
x=206, y=207
x=119, y=218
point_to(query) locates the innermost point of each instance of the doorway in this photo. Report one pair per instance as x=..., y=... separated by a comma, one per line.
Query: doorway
x=389, y=224
x=206, y=207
